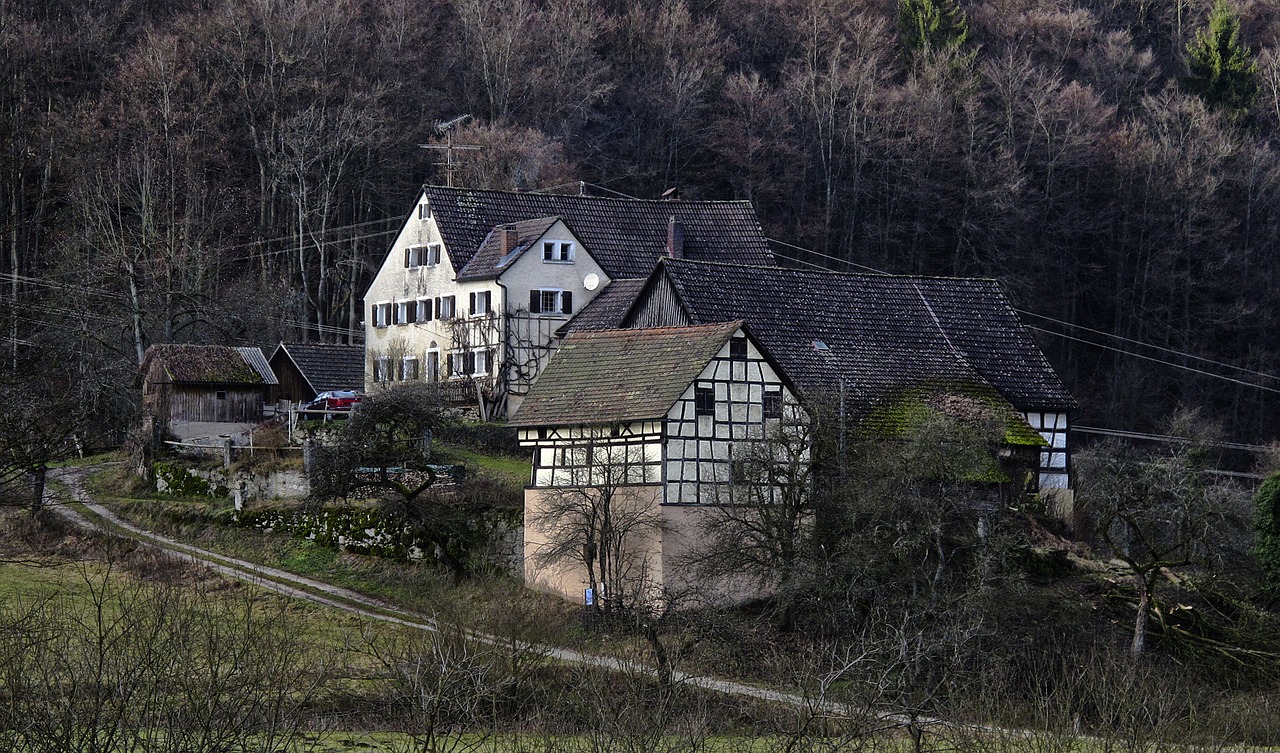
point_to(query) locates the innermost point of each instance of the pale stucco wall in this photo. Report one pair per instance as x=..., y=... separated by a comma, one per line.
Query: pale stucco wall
x=568, y=577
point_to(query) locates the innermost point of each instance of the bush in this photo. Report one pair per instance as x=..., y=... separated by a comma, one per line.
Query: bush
x=1266, y=523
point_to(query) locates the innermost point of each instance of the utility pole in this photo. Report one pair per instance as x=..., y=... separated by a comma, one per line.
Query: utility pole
x=445, y=129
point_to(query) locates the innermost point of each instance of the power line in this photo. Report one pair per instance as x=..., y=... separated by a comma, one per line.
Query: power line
x=1167, y=438
x=1156, y=360
x=1148, y=345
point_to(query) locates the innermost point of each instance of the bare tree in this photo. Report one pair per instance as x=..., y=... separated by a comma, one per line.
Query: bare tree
x=1160, y=510
x=600, y=513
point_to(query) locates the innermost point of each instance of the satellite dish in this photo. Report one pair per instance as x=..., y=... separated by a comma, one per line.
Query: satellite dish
x=591, y=281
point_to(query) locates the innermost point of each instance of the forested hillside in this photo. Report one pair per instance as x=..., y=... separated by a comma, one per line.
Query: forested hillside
x=231, y=170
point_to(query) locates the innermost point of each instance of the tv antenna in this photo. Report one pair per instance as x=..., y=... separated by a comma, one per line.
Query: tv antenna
x=445, y=129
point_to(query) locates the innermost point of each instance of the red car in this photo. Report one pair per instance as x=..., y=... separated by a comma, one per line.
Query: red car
x=335, y=400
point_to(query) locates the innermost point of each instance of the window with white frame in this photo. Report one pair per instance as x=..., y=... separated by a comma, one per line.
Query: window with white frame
x=409, y=369
x=482, y=362
x=422, y=256
x=424, y=309
x=424, y=211
x=382, y=369
x=557, y=251
x=480, y=302
x=406, y=312
x=381, y=314
x=550, y=301
x=445, y=308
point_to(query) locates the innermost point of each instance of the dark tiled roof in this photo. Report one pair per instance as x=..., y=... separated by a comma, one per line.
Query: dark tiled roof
x=489, y=260
x=606, y=310
x=203, y=364
x=881, y=332
x=620, y=375
x=624, y=236
x=328, y=367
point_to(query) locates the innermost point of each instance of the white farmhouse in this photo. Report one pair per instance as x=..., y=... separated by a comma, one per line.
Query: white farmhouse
x=477, y=282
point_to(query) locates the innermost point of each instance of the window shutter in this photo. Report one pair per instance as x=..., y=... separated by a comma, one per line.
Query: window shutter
x=411, y=312
x=471, y=305
x=373, y=315
x=469, y=362
x=408, y=252
x=535, y=299
x=566, y=302
x=426, y=310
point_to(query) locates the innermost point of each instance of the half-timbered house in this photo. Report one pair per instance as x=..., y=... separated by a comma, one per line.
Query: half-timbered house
x=477, y=282
x=859, y=340
x=661, y=419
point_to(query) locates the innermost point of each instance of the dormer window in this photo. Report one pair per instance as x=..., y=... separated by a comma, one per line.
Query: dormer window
x=557, y=252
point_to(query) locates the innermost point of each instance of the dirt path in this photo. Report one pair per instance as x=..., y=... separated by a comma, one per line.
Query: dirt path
x=327, y=594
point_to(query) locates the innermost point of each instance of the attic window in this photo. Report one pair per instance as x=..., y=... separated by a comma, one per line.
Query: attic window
x=221, y=394
x=422, y=256
x=738, y=349
x=424, y=211
x=821, y=347
x=557, y=251
x=704, y=400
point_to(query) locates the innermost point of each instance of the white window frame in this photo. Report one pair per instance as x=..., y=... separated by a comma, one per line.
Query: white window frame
x=557, y=252
x=422, y=256
x=402, y=312
x=483, y=303
x=557, y=295
x=447, y=308
x=408, y=374
x=424, y=306
x=382, y=314
x=424, y=211
x=382, y=369
x=481, y=362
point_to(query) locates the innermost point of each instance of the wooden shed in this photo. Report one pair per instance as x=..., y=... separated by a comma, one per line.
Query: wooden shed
x=205, y=383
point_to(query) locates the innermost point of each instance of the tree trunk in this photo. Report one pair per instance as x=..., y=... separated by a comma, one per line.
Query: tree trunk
x=1140, y=622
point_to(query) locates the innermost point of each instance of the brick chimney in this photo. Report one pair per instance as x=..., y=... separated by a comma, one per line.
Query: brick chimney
x=675, y=238
x=506, y=239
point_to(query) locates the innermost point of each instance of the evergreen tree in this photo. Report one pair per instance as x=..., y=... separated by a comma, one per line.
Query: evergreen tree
x=932, y=25
x=1222, y=71
x=1266, y=523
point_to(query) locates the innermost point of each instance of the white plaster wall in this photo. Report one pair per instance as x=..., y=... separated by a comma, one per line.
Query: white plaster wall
x=395, y=283
x=567, y=578
x=530, y=272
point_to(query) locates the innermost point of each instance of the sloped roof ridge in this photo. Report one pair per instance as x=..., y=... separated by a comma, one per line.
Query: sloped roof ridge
x=618, y=199
x=833, y=272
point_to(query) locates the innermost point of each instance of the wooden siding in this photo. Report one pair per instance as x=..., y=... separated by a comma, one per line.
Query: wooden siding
x=239, y=404
x=293, y=387
x=660, y=307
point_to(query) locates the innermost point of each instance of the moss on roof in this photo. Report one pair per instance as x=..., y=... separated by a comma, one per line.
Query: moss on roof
x=202, y=364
